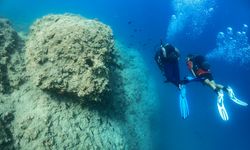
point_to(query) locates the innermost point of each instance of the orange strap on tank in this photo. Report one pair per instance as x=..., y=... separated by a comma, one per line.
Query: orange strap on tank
x=200, y=72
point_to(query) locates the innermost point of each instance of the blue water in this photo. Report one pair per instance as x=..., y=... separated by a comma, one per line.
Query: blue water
x=141, y=24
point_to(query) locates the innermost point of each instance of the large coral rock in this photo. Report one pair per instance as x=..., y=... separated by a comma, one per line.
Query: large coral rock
x=31, y=118
x=53, y=122
x=70, y=54
x=10, y=59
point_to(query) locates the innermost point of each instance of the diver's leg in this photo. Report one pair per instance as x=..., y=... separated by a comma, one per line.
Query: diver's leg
x=218, y=86
x=211, y=84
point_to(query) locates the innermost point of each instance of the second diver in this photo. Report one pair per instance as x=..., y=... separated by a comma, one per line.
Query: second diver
x=200, y=69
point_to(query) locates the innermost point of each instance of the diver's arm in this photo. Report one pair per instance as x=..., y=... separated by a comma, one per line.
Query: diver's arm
x=190, y=67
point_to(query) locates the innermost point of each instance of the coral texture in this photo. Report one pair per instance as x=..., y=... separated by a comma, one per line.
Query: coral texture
x=33, y=118
x=10, y=59
x=70, y=54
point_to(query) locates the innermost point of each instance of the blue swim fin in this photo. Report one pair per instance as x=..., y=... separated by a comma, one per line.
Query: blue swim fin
x=221, y=107
x=233, y=97
x=183, y=102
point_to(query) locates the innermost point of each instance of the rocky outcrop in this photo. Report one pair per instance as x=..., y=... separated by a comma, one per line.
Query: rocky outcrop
x=139, y=95
x=11, y=63
x=111, y=113
x=45, y=121
x=72, y=55
x=6, y=140
x=53, y=121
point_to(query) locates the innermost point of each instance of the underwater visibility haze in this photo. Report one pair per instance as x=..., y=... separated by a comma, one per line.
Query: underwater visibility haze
x=82, y=75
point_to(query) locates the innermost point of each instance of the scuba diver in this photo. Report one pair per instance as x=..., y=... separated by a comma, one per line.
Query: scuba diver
x=167, y=59
x=200, y=69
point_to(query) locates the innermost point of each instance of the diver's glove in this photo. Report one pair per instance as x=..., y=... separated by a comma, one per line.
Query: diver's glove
x=183, y=102
x=221, y=107
x=186, y=80
x=189, y=78
x=233, y=97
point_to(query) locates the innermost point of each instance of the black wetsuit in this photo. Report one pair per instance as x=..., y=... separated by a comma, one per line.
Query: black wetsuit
x=169, y=65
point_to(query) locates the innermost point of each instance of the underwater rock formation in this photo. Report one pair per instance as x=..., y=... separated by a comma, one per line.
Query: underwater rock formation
x=51, y=121
x=140, y=96
x=5, y=133
x=72, y=55
x=45, y=121
x=10, y=59
x=33, y=118
x=12, y=75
